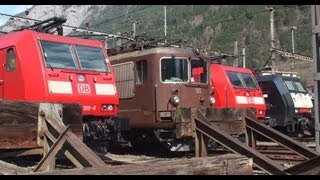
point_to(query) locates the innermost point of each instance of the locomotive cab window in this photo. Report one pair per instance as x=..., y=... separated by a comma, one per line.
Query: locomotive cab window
x=242, y=80
x=92, y=58
x=289, y=85
x=249, y=80
x=11, y=60
x=235, y=79
x=199, y=71
x=300, y=87
x=141, y=72
x=174, y=70
x=58, y=55
x=294, y=86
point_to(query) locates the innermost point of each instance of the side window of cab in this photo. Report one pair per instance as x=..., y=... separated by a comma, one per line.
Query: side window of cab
x=11, y=60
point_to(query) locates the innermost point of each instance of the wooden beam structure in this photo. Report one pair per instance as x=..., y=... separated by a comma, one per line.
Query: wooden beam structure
x=229, y=164
x=58, y=137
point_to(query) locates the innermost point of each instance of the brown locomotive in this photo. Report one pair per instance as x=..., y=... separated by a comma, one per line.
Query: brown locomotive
x=153, y=83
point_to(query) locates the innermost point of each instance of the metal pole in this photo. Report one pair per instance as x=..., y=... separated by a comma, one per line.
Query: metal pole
x=236, y=63
x=244, y=57
x=106, y=43
x=292, y=38
x=134, y=28
x=273, y=53
x=165, y=23
x=119, y=42
x=113, y=33
x=315, y=15
x=293, y=27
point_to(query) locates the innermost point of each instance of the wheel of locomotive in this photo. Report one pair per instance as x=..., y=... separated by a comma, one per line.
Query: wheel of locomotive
x=310, y=127
x=96, y=136
x=167, y=138
x=144, y=140
x=87, y=136
x=305, y=127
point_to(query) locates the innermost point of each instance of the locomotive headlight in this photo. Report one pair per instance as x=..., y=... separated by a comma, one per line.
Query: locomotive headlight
x=109, y=108
x=260, y=112
x=105, y=107
x=212, y=100
x=296, y=110
x=175, y=100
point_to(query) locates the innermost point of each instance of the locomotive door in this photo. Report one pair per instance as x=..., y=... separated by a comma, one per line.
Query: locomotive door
x=2, y=69
x=10, y=87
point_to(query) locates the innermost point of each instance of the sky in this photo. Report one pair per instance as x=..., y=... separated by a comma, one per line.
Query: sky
x=11, y=10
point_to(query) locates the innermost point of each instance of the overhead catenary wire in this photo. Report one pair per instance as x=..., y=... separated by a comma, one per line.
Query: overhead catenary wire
x=122, y=15
x=242, y=16
x=74, y=28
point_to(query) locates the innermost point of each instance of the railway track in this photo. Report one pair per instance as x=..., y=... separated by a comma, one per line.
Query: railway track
x=282, y=155
x=272, y=150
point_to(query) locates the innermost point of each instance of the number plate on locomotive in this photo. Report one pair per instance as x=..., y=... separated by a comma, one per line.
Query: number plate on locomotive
x=84, y=88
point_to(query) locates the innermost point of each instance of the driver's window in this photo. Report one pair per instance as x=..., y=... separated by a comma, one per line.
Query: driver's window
x=11, y=60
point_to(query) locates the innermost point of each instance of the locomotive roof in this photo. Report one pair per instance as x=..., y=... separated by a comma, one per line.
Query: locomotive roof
x=232, y=68
x=157, y=50
x=273, y=77
x=16, y=37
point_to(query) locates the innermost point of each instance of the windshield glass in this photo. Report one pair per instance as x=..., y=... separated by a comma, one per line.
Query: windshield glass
x=235, y=79
x=299, y=86
x=242, y=80
x=289, y=85
x=174, y=70
x=58, y=55
x=199, y=71
x=249, y=80
x=92, y=58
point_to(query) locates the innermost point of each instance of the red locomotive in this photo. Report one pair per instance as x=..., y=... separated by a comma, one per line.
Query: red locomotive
x=41, y=67
x=234, y=87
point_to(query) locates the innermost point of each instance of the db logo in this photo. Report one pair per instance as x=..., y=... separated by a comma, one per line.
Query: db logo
x=84, y=88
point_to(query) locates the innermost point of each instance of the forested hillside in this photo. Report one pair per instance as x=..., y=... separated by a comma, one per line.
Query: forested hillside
x=216, y=27
x=209, y=27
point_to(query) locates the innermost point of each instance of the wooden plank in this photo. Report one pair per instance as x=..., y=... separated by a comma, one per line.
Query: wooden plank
x=229, y=164
x=9, y=169
x=251, y=139
x=18, y=153
x=86, y=152
x=18, y=112
x=46, y=149
x=72, y=114
x=18, y=136
x=66, y=152
x=201, y=144
x=79, y=153
x=310, y=167
x=281, y=139
x=197, y=144
x=61, y=115
x=204, y=145
x=45, y=161
x=236, y=146
x=18, y=124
